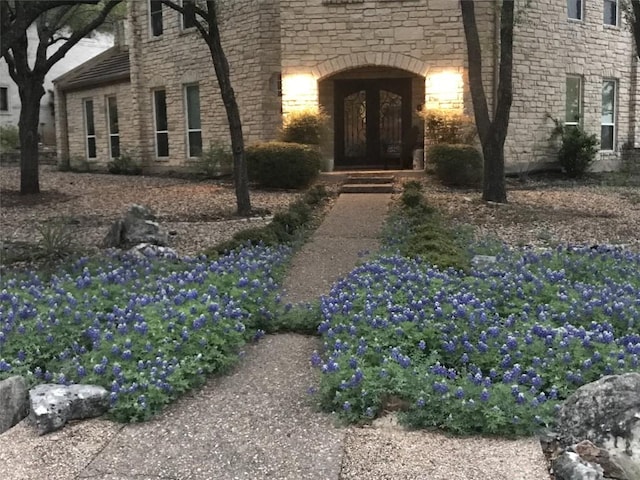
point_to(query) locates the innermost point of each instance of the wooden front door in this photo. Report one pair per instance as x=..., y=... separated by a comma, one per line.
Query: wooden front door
x=373, y=123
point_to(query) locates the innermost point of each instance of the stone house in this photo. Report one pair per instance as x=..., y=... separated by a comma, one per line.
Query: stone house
x=372, y=65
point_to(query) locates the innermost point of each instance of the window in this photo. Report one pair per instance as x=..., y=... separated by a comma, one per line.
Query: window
x=189, y=17
x=90, y=129
x=194, y=129
x=610, y=12
x=162, y=131
x=573, y=111
x=574, y=9
x=4, y=99
x=155, y=17
x=114, y=129
x=608, y=122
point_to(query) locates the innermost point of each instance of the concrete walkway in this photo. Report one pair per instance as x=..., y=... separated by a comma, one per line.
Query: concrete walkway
x=259, y=422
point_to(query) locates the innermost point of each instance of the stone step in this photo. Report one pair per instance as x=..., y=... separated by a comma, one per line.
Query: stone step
x=369, y=179
x=367, y=188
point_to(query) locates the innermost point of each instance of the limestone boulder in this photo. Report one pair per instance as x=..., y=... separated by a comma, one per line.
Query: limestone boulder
x=14, y=402
x=569, y=466
x=138, y=226
x=52, y=406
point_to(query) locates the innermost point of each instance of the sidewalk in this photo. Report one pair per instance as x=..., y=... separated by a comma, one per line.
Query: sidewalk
x=259, y=423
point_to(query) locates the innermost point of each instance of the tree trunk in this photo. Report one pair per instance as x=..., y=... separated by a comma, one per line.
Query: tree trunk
x=635, y=23
x=493, y=186
x=31, y=93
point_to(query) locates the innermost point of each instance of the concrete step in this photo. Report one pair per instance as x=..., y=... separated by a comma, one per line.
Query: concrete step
x=367, y=188
x=369, y=179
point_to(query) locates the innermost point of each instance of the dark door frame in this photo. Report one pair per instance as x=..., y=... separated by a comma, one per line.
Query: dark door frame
x=372, y=87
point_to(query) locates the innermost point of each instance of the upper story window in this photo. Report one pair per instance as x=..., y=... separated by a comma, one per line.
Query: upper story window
x=608, y=122
x=4, y=99
x=161, y=123
x=189, y=17
x=155, y=18
x=575, y=9
x=610, y=12
x=573, y=111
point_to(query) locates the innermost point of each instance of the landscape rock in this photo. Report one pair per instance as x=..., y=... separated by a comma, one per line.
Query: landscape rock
x=138, y=226
x=14, y=402
x=479, y=260
x=52, y=406
x=147, y=250
x=569, y=466
x=607, y=414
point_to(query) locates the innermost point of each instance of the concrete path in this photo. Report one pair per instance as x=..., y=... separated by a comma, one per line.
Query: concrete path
x=258, y=423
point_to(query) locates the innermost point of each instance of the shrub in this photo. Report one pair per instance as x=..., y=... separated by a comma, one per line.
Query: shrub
x=282, y=165
x=456, y=164
x=125, y=164
x=577, y=151
x=315, y=195
x=9, y=138
x=216, y=161
x=308, y=127
x=444, y=126
x=411, y=197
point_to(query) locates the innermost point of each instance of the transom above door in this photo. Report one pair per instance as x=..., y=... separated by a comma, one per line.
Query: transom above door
x=373, y=123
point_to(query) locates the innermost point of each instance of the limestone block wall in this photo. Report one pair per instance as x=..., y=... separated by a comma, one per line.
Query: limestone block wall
x=547, y=48
x=75, y=123
x=180, y=57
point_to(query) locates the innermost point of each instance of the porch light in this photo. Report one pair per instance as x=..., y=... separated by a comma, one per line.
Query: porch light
x=299, y=92
x=444, y=90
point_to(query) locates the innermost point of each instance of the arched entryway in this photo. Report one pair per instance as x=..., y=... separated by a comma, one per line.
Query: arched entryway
x=374, y=112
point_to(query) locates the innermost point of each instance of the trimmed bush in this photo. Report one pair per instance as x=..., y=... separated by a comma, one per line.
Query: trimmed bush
x=307, y=127
x=456, y=164
x=125, y=164
x=578, y=151
x=9, y=138
x=444, y=126
x=283, y=165
x=215, y=162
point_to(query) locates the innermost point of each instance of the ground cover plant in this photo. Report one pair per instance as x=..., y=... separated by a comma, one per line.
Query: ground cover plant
x=145, y=329
x=493, y=349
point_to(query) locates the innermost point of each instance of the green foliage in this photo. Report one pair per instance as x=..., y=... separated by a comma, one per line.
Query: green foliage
x=55, y=241
x=302, y=319
x=9, y=138
x=456, y=164
x=216, y=161
x=283, y=165
x=411, y=197
x=578, y=149
x=445, y=126
x=307, y=127
x=315, y=195
x=125, y=164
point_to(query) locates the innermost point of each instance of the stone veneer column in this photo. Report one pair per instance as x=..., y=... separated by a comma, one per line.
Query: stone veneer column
x=135, y=45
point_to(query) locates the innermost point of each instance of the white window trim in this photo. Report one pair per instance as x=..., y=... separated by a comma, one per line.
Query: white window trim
x=6, y=87
x=86, y=127
x=581, y=19
x=186, y=118
x=611, y=25
x=580, y=100
x=155, y=121
x=181, y=20
x=615, y=115
x=151, y=35
x=109, y=132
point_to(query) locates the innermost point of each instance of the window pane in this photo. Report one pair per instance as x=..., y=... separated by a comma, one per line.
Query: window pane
x=574, y=95
x=115, y=146
x=91, y=147
x=606, y=137
x=113, y=115
x=610, y=12
x=189, y=17
x=195, y=144
x=162, y=140
x=155, y=11
x=4, y=99
x=574, y=9
x=88, y=114
x=160, y=97
x=193, y=107
x=608, y=101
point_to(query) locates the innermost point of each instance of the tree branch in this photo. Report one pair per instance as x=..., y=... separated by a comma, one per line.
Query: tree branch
x=182, y=11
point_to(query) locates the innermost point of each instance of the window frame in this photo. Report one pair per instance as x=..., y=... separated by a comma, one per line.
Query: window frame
x=89, y=136
x=188, y=128
x=581, y=9
x=614, y=112
x=578, y=122
x=152, y=32
x=183, y=18
x=5, y=89
x=155, y=122
x=617, y=12
x=110, y=133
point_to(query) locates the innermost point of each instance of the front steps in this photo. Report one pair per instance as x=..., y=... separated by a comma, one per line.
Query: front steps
x=368, y=183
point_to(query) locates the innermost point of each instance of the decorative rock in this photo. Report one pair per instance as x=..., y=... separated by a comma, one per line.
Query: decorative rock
x=569, y=466
x=14, y=404
x=613, y=465
x=483, y=260
x=138, y=226
x=147, y=250
x=52, y=406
